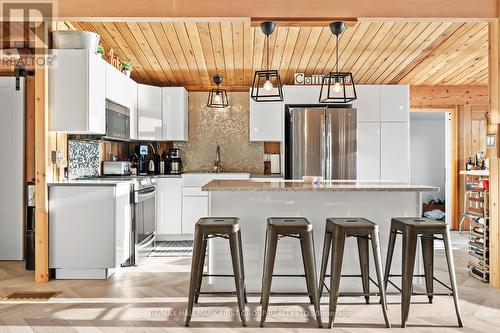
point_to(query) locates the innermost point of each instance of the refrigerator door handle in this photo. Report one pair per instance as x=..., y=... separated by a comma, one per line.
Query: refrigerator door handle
x=323, y=148
x=328, y=150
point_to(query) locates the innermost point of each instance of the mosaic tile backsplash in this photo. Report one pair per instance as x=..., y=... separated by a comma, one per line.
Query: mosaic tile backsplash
x=83, y=159
x=226, y=127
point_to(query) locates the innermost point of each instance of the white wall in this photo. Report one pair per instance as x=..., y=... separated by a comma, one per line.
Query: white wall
x=428, y=151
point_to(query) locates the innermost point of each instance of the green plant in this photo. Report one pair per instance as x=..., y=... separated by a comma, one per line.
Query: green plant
x=126, y=65
x=100, y=49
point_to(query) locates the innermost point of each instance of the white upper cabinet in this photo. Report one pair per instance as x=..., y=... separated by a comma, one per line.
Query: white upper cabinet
x=394, y=152
x=77, y=98
x=266, y=121
x=301, y=94
x=367, y=103
x=368, y=151
x=395, y=102
x=149, y=113
x=133, y=108
x=117, y=86
x=175, y=113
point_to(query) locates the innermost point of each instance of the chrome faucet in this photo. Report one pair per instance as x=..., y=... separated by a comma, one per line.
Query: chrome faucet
x=217, y=160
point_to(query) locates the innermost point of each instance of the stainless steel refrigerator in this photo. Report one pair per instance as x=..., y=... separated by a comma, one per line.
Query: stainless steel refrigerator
x=320, y=141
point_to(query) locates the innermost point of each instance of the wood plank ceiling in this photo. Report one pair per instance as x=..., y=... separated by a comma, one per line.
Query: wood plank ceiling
x=190, y=53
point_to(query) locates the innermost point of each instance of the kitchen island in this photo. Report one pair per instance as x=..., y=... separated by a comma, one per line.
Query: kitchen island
x=254, y=201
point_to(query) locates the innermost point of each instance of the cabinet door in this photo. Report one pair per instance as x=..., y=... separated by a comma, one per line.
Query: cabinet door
x=96, y=95
x=169, y=206
x=149, y=112
x=133, y=108
x=368, y=151
x=266, y=121
x=117, y=86
x=367, y=103
x=193, y=208
x=175, y=113
x=394, y=152
x=395, y=103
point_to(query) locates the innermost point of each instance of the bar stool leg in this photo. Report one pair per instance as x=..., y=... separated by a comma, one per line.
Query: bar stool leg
x=364, y=265
x=242, y=267
x=305, y=259
x=428, y=258
x=409, y=251
x=264, y=264
x=200, y=268
x=271, y=243
x=451, y=271
x=327, y=243
x=390, y=253
x=310, y=270
x=195, y=263
x=336, y=268
x=378, y=267
x=238, y=275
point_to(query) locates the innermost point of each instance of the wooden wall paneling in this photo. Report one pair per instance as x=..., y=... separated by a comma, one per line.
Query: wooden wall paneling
x=199, y=75
x=271, y=148
x=279, y=48
x=218, y=51
x=454, y=165
x=179, y=74
x=238, y=49
x=447, y=96
x=248, y=52
x=227, y=47
x=494, y=120
x=153, y=49
x=468, y=73
x=29, y=145
x=297, y=52
x=258, y=51
x=352, y=43
x=311, y=56
x=41, y=162
x=309, y=48
x=291, y=41
x=361, y=47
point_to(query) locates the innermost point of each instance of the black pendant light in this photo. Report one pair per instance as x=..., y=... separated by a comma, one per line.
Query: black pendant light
x=266, y=85
x=337, y=87
x=217, y=98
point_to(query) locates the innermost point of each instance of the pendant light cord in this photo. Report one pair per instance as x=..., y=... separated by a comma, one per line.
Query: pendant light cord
x=267, y=49
x=337, y=54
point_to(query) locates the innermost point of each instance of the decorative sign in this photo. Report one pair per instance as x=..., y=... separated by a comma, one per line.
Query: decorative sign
x=302, y=79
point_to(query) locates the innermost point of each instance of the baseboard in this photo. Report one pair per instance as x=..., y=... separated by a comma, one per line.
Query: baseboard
x=160, y=237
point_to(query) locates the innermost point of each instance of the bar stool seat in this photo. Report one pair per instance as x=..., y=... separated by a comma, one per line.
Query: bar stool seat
x=221, y=227
x=295, y=227
x=336, y=231
x=426, y=229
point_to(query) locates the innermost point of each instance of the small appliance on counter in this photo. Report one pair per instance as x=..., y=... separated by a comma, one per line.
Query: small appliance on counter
x=116, y=168
x=174, y=162
x=142, y=162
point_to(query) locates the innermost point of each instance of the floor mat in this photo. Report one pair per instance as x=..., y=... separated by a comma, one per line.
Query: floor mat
x=31, y=295
x=172, y=249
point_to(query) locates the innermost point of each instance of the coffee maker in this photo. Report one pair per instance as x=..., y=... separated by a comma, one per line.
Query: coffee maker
x=174, y=162
x=142, y=162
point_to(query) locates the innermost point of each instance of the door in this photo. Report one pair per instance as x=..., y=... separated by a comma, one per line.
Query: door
x=394, y=152
x=12, y=172
x=306, y=142
x=149, y=123
x=341, y=144
x=368, y=159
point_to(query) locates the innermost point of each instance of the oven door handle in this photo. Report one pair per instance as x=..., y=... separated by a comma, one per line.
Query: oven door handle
x=145, y=196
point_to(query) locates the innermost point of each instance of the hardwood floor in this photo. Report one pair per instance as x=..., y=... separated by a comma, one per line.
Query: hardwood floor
x=152, y=298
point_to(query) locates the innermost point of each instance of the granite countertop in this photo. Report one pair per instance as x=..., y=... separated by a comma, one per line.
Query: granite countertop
x=325, y=186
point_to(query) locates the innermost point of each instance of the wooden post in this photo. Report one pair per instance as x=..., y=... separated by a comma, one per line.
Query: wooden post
x=493, y=68
x=41, y=158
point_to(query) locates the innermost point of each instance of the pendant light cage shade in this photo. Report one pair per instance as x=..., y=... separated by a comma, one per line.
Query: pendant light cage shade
x=267, y=86
x=217, y=97
x=337, y=88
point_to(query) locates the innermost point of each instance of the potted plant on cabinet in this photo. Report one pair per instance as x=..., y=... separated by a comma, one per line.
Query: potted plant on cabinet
x=100, y=50
x=127, y=67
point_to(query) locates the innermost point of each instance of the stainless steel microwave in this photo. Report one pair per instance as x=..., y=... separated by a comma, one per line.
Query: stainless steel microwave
x=117, y=122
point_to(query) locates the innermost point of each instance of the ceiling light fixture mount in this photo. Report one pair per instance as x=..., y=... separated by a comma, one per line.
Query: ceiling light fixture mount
x=217, y=97
x=266, y=86
x=337, y=87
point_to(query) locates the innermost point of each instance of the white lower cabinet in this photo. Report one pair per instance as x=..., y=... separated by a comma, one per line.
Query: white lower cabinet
x=394, y=152
x=193, y=208
x=169, y=203
x=369, y=151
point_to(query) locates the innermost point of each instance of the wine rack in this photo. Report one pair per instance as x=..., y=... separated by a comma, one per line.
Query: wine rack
x=477, y=210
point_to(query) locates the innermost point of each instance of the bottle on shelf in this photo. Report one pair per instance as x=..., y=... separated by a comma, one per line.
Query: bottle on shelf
x=468, y=165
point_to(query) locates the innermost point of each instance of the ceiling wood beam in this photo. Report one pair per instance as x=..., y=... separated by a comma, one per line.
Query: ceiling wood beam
x=447, y=96
x=262, y=9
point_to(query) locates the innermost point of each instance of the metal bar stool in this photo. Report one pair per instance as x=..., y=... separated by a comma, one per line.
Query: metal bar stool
x=217, y=227
x=337, y=230
x=295, y=227
x=426, y=229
